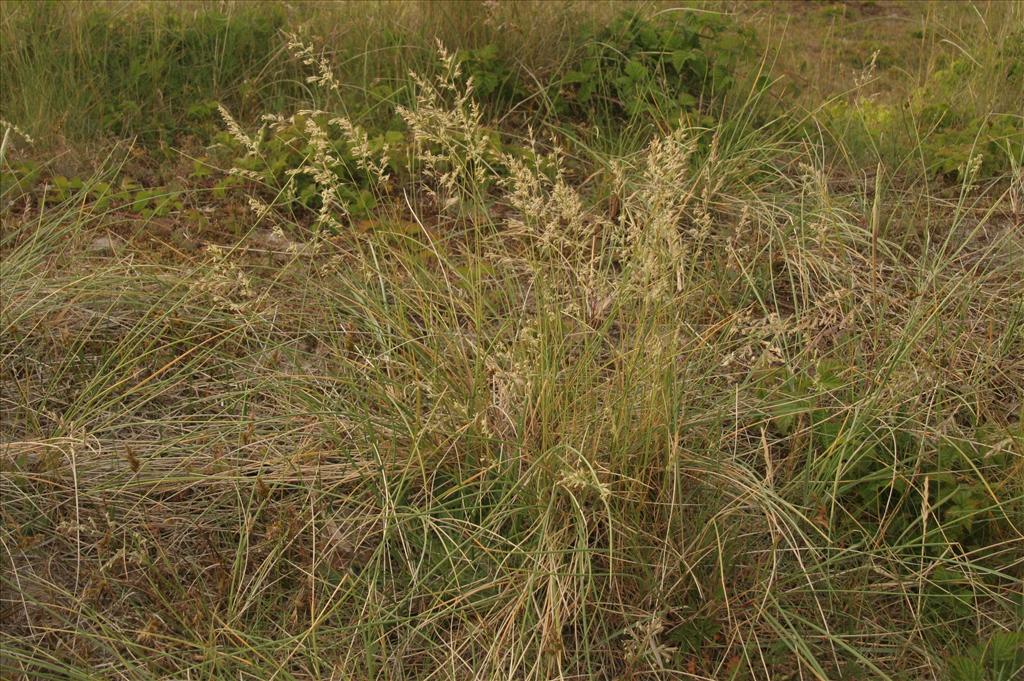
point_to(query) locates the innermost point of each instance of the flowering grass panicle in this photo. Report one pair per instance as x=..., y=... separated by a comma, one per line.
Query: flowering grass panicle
x=375, y=165
x=547, y=207
x=451, y=142
x=653, y=214
x=224, y=282
x=324, y=74
x=250, y=144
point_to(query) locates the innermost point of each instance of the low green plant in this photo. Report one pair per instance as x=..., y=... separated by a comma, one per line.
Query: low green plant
x=129, y=195
x=495, y=79
x=638, y=66
x=941, y=126
x=999, y=658
x=18, y=179
x=284, y=173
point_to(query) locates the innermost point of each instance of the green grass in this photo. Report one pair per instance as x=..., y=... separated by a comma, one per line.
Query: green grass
x=502, y=381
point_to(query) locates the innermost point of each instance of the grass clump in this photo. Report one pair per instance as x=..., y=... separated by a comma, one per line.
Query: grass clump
x=137, y=70
x=403, y=386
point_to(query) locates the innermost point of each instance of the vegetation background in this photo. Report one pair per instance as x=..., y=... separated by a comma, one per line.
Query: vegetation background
x=518, y=340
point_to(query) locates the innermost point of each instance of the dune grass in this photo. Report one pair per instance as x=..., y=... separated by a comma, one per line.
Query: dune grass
x=428, y=376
